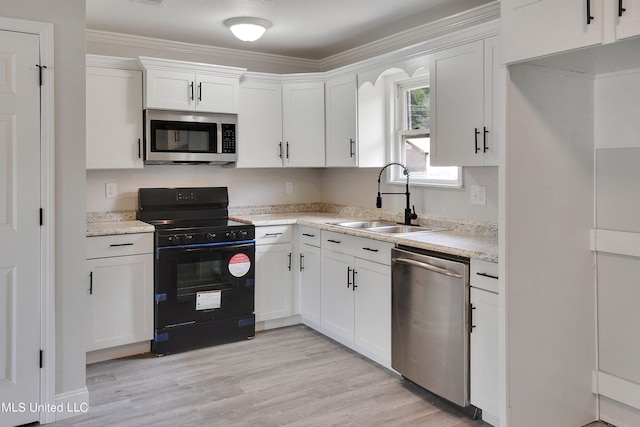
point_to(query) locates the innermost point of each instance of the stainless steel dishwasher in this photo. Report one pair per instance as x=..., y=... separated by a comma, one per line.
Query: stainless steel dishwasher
x=430, y=315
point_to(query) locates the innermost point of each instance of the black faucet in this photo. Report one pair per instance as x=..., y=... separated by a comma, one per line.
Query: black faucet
x=408, y=214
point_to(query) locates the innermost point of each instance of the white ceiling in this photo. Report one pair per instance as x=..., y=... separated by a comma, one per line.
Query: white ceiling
x=311, y=29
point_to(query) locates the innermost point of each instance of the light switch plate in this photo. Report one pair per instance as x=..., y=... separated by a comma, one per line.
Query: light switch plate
x=288, y=187
x=478, y=195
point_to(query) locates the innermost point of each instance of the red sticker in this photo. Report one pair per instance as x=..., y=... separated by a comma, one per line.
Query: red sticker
x=239, y=265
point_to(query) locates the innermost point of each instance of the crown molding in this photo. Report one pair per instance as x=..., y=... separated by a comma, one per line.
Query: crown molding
x=413, y=36
x=401, y=41
x=217, y=54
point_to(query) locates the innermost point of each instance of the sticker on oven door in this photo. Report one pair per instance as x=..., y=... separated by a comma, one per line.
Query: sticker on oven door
x=208, y=300
x=239, y=265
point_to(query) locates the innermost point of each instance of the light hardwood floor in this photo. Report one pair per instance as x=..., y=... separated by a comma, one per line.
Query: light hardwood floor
x=284, y=377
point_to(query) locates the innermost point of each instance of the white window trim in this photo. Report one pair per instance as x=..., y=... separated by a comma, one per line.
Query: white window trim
x=396, y=83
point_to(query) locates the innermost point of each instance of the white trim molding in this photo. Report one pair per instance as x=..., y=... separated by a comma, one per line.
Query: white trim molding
x=616, y=388
x=615, y=242
x=71, y=403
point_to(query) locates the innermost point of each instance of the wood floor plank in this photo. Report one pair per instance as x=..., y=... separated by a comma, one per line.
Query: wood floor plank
x=284, y=377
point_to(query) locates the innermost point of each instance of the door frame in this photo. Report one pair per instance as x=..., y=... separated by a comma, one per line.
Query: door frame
x=47, y=202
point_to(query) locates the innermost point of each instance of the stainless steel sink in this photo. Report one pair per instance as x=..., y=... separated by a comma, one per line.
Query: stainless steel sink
x=401, y=229
x=366, y=224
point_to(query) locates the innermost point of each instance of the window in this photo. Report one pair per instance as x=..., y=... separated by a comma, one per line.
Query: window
x=411, y=140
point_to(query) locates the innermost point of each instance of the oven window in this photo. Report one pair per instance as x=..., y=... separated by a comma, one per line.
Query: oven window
x=169, y=136
x=197, y=275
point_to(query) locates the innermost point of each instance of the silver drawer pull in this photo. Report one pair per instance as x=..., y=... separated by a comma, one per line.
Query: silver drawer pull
x=426, y=266
x=272, y=235
x=370, y=250
x=308, y=235
x=333, y=241
x=490, y=276
x=115, y=245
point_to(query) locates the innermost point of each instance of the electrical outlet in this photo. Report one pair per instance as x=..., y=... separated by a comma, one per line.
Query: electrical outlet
x=110, y=190
x=478, y=195
x=288, y=187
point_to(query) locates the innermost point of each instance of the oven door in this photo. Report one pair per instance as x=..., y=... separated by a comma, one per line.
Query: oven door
x=203, y=282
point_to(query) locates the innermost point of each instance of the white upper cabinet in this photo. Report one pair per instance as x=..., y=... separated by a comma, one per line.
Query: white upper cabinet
x=281, y=125
x=183, y=86
x=260, y=125
x=114, y=116
x=535, y=28
x=303, y=124
x=464, y=129
x=341, y=121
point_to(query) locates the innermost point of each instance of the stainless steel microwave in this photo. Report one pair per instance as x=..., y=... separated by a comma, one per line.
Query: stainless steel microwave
x=174, y=137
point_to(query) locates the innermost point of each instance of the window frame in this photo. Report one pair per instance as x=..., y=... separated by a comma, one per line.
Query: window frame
x=397, y=85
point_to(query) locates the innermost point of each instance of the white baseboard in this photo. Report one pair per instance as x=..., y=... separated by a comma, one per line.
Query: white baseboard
x=616, y=388
x=72, y=403
x=278, y=323
x=615, y=242
x=118, y=352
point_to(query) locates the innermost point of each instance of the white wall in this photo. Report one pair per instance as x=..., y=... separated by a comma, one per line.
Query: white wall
x=546, y=219
x=68, y=17
x=247, y=187
x=359, y=187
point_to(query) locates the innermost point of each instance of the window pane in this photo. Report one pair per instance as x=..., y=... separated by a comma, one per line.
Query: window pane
x=417, y=108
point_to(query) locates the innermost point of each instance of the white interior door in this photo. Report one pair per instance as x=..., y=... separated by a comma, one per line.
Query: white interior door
x=19, y=228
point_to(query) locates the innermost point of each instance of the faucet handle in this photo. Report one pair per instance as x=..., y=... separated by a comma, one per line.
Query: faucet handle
x=414, y=215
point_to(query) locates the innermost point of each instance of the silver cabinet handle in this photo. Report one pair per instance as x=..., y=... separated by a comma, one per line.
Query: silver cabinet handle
x=426, y=266
x=490, y=276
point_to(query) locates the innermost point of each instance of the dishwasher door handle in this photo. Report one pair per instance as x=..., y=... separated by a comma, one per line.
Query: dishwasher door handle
x=427, y=266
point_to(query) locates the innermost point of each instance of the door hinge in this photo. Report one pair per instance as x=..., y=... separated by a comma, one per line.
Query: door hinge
x=40, y=67
x=41, y=359
x=41, y=217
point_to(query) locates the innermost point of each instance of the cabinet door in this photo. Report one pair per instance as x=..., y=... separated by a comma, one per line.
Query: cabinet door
x=337, y=297
x=114, y=118
x=273, y=281
x=341, y=122
x=170, y=90
x=303, y=124
x=484, y=351
x=260, y=125
x=628, y=21
x=217, y=94
x=494, y=101
x=119, y=301
x=373, y=310
x=534, y=28
x=457, y=106
x=310, y=274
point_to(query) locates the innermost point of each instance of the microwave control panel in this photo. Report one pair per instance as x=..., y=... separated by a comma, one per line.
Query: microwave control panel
x=228, y=137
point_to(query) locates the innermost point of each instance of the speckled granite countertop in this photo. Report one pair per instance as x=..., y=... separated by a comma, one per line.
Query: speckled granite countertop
x=461, y=242
x=118, y=227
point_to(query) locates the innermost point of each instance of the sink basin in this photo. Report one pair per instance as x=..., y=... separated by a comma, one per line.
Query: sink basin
x=366, y=224
x=401, y=229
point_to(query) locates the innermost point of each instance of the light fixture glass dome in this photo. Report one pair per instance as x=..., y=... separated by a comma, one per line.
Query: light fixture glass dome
x=247, y=29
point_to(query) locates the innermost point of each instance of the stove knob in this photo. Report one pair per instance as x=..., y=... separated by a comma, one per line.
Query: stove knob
x=211, y=237
x=231, y=235
x=175, y=239
x=188, y=238
x=242, y=234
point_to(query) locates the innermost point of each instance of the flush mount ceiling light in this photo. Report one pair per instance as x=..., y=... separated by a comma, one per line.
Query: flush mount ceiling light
x=247, y=29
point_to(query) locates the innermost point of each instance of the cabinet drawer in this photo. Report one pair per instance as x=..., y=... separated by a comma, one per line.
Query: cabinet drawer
x=372, y=250
x=359, y=247
x=119, y=245
x=484, y=275
x=309, y=235
x=273, y=234
x=336, y=242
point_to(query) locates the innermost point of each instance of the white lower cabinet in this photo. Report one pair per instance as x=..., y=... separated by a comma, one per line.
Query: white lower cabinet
x=119, y=290
x=355, y=294
x=309, y=275
x=273, y=273
x=484, y=340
